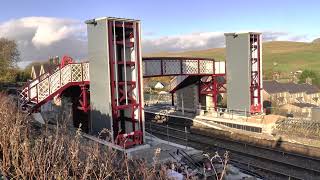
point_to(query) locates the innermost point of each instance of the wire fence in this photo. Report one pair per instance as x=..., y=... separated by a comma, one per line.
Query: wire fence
x=168, y=132
x=284, y=120
x=301, y=113
x=150, y=99
x=223, y=112
x=275, y=124
x=298, y=127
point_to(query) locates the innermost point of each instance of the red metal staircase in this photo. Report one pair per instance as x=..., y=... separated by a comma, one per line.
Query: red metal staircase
x=47, y=86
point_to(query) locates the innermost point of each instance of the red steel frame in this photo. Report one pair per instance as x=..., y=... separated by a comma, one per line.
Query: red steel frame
x=181, y=71
x=126, y=99
x=212, y=87
x=255, y=87
x=85, y=106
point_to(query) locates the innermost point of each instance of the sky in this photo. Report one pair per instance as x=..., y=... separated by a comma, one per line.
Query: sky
x=56, y=27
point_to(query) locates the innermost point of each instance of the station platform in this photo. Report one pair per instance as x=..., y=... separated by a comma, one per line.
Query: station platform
x=222, y=121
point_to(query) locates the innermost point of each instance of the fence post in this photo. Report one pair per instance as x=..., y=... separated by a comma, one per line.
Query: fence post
x=168, y=133
x=217, y=111
x=182, y=104
x=231, y=114
x=245, y=112
x=185, y=130
x=150, y=129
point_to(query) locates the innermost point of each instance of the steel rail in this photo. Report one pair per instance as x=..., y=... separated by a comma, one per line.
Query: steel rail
x=239, y=153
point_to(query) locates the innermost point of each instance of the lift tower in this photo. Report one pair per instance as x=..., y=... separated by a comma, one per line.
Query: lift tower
x=116, y=79
x=244, y=72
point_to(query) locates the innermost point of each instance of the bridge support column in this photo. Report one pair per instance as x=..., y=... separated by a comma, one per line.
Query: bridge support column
x=213, y=86
x=172, y=99
x=84, y=97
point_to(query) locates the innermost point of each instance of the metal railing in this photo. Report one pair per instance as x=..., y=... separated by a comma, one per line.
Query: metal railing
x=157, y=98
x=49, y=83
x=175, y=81
x=164, y=131
x=163, y=116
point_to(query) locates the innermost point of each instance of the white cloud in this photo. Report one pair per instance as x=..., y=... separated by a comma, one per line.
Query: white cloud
x=44, y=30
x=286, y=36
x=206, y=40
x=41, y=37
x=194, y=41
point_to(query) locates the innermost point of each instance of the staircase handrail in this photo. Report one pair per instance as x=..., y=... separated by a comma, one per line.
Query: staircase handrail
x=45, y=77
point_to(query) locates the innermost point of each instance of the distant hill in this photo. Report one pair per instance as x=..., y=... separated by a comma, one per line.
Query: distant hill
x=316, y=40
x=279, y=56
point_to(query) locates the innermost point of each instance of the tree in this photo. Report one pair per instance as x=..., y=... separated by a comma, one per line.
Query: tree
x=28, y=68
x=9, y=57
x=22, y=75
x=309, y=74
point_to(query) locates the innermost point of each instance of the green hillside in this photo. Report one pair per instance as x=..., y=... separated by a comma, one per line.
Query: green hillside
x=278, y=56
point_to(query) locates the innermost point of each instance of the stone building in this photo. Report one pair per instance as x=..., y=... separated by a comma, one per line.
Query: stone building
x=291, y=96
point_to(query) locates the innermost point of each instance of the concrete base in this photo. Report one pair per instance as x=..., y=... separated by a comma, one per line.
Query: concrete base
x=38, y=117
x=148, y=151
x=160, y=151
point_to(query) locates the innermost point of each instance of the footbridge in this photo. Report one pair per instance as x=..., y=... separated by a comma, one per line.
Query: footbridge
x=182, y=69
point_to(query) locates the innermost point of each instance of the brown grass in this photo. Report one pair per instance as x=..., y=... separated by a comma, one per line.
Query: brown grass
x=30, y=151
x=27, y=152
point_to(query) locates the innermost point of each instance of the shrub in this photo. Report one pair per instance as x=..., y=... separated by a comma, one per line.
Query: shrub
x=30, y=152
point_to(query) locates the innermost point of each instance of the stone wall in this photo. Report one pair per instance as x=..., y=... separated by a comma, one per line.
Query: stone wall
x=187, y=98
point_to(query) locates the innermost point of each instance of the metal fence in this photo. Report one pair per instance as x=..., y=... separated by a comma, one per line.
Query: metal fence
x=299, y=127
x=299, y=113
x=157, y=98
x=167, y=132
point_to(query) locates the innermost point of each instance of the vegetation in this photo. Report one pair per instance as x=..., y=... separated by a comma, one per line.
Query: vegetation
x=28, y=68
x=309, y=74
x=278, y=56
x=22, y=75
x=58, y=152
x=9, y=57
x=27, y=152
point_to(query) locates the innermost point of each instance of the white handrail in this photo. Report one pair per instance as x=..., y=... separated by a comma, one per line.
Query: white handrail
x=39, y=90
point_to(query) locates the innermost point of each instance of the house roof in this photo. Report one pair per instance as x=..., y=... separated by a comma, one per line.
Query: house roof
x=276, y=87
x=48, y=67
x=154, y=83
x=310, y=88
x=273, y=87
x=36, y=69
x=305, y=105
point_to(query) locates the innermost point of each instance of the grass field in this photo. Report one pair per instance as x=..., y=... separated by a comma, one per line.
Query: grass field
x=278, y=56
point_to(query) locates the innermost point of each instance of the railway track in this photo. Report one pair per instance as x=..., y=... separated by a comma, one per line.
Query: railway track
x=274, y=164
x=286, y=157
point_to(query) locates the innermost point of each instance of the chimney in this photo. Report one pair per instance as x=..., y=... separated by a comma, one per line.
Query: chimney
x=275, y=76
x=294, y=79
x=308, y=80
